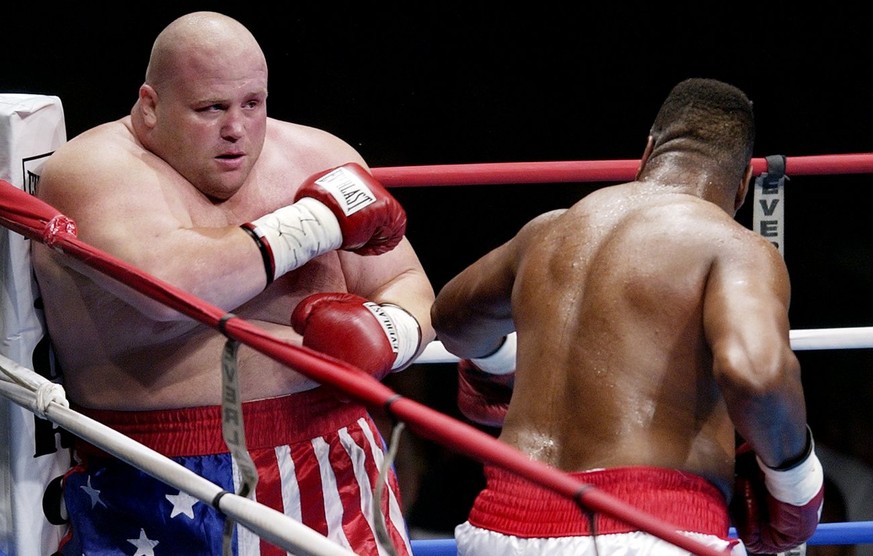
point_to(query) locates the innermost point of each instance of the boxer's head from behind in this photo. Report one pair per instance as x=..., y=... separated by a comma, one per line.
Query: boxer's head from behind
x=707, y=127
x=203, y=105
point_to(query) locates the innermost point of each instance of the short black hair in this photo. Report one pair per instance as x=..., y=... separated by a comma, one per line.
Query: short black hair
x=708, y=117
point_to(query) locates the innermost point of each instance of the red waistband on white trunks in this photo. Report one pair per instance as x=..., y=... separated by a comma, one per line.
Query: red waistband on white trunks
x=514, y=506
x=197, y=430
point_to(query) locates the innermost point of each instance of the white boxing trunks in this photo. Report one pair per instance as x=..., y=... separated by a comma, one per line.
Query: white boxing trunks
x=318, y=462
x=514, y=517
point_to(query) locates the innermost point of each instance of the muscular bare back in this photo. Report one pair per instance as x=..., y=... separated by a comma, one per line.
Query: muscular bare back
x=623, y=374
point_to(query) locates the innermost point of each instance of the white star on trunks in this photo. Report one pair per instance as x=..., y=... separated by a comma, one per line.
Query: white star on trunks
x=143, y=545
x=93, y=493
x=183, y=503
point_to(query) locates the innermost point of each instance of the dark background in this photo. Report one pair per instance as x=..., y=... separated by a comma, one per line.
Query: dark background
x=445, y=83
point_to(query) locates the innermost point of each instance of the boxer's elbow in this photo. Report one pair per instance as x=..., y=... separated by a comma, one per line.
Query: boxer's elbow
x=754, y=374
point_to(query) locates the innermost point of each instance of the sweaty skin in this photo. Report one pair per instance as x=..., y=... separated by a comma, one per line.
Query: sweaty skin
x=640, y=310
x=166, y=189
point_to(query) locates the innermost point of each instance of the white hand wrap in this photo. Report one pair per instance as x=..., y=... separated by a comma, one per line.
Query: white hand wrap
x=296, y=234
x=797, y=485
x=403, y=332
x=502, y=361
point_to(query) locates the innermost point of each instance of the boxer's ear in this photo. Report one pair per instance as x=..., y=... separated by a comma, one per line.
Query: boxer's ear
x=743, y=189
x=148, y=100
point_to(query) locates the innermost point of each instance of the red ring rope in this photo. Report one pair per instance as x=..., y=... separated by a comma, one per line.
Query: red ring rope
x=502, y=173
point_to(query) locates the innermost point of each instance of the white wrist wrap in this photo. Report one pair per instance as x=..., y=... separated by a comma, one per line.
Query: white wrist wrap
x=407, y=332
x=298, y=233
x=502, y=361
x=402, y=330
x=795, y=486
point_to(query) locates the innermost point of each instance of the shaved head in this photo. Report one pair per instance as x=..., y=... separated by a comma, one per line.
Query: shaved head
x=198, y=41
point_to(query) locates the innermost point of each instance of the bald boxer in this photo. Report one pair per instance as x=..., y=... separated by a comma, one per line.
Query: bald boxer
x=629, y=340
x=280, y=223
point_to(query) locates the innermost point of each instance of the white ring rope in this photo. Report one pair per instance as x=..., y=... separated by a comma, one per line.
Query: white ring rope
x=29, y=390
x=832, y=338
x=801, y=340
x=44, y=391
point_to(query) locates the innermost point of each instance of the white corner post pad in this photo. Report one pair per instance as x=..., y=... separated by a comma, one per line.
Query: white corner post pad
x=502, y=361
x=32, y=452
x=298, y=233
x=402, y=330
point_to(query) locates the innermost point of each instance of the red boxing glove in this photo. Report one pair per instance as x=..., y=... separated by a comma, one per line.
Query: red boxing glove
x=375, y=338
x=485, y=384
x=371, y=220
x=344, y=208
x=775, y=510
x=483, y=397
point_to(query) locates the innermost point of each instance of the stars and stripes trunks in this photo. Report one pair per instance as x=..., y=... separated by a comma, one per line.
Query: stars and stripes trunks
x=317, y=457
